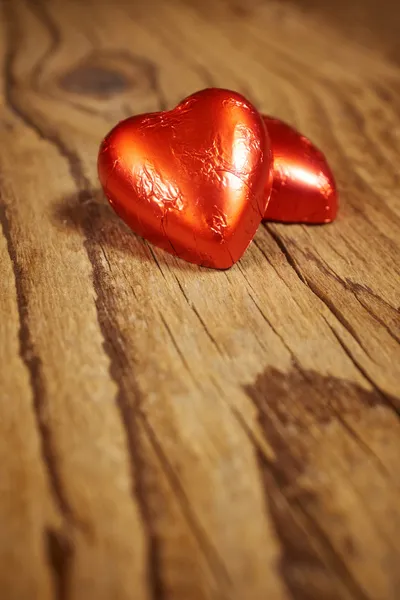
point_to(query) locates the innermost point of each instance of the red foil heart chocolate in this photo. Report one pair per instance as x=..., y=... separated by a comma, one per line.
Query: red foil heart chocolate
x=194, y=180
x=304, y=190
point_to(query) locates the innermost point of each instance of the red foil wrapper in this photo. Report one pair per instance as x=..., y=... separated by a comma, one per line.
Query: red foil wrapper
x=195, y=180
x=304, y=190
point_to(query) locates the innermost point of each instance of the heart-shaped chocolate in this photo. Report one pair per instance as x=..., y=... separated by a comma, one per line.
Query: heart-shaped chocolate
x=303, y=190
x=194, y=180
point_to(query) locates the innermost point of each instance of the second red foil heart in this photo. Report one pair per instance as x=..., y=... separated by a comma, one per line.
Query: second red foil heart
x=304, y=189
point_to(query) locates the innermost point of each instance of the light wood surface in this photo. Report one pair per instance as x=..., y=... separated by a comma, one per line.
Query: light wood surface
x=167, y=431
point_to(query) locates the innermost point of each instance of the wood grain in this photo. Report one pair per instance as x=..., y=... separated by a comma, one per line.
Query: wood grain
x=167, y=431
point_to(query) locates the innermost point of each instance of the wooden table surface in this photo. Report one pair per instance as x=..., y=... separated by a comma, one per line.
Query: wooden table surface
x=176, y=433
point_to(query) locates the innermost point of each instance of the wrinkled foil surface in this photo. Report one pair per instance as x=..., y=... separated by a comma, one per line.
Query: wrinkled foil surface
x=195, y=180
x=304, y=189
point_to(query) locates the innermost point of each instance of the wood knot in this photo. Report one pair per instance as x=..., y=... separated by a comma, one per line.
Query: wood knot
x=94, y=80
x=114, y=84
x=104, y=76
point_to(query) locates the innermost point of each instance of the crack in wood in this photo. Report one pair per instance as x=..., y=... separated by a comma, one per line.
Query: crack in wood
x=60, y=553
x=292, y=405
x=32, y=362
x=306, y=280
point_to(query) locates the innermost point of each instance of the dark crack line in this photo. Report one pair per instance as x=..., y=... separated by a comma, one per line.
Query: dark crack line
x=60, y=554
x=257, y=245
x=214, y=560
x=28, y=351
x=338, y=315
x=208, y=333
x=377, y=319
x=340, y=566
x=60, y=569
x=385, y=399
x=236, y=413
x=196, y=312
x=359, y=287
x=155, y=259
x=330, y=559
x=337, y=563
x=355, y=287
x=329, y=304
x=338, y=415
x=286, y=253
x=352, y=288
x=368, y=451
x=331, y=307
x=178, y=350
x=344, y=323
x=109, y=332
x=128, y=401
x=174, y=252
x=107, y=260
x=279, y=336
x=191, y=306
x=32, y=362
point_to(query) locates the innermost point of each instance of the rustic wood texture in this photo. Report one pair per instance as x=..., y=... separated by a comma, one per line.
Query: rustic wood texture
x=167, y=431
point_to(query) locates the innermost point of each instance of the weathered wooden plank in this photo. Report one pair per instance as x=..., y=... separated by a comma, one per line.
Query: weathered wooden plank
x=194, y=433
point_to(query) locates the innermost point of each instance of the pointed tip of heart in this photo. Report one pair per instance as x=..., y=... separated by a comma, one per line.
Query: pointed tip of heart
x=304, y=189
